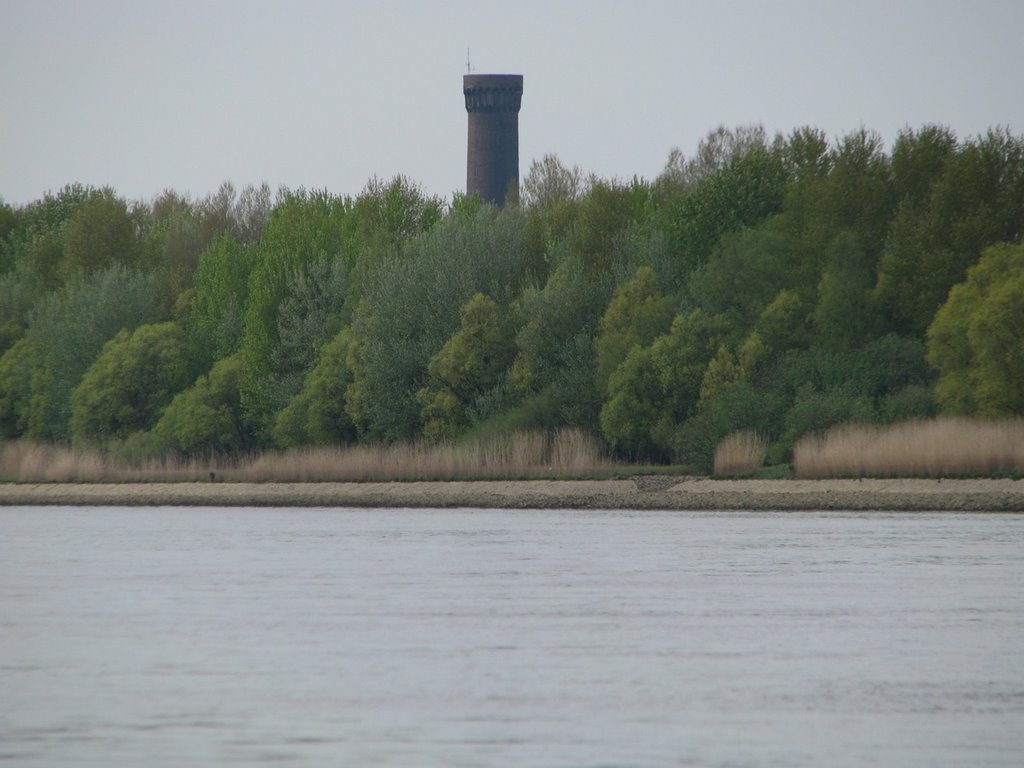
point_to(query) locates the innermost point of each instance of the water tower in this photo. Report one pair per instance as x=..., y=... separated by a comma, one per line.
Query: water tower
x=492, y=156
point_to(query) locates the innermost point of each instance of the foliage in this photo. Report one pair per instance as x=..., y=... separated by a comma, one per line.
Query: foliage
x=17, y=367
x=218, y=300
x=129, y=384
x=69, y=328
x=478, y=355
x=411, y=308
x=207, y=418
x=636, y=315
x=977, y=338
x=550, y=183
x=305, y=228
x=976, y=199
x=316, y=415
x=658, y=387
x=845, y=316
x=749, y=187
x=773, y=284
x=99, y=234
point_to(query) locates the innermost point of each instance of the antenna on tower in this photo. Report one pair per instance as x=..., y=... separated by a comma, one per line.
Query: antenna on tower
x=469, y=67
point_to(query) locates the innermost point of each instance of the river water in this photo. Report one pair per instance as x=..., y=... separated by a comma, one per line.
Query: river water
x=314, y=637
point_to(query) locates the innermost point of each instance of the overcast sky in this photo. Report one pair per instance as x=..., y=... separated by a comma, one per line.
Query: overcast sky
x=144, y=95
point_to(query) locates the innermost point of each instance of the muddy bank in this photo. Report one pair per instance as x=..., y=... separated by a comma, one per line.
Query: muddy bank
x=997, y=495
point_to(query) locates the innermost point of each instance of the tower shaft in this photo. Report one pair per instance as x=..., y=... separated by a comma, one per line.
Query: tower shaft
x=492, y=156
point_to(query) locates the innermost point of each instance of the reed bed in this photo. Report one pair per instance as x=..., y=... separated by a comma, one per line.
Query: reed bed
x=944, y=447
x=740, y=453
x=564, y=453
x=26, y=461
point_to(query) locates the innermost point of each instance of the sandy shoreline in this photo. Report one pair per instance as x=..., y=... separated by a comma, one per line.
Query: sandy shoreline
x=672, y=493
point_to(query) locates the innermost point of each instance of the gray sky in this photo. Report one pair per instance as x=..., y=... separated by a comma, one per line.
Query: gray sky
x=145, y=95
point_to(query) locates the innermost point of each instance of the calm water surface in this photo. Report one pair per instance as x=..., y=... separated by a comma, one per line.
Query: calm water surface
x=497, y=638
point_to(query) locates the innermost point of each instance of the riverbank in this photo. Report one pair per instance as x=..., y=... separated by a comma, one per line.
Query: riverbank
x=654, y=492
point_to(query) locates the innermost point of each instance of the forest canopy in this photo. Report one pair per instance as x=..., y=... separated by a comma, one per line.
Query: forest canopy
x=776, y=283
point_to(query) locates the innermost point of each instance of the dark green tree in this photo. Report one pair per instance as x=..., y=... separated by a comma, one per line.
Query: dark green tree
x=978, y=201
x=99, y=234
x=18, y=365
x=846, y=315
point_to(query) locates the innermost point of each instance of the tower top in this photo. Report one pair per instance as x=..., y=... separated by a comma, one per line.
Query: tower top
x=492, y=93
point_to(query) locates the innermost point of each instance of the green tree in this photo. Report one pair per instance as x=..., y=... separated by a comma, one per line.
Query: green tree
x=744, y=273
x=207, y=418
x=130, y=383
x=976, y=341
x=746, y=190
x=310, y=314
x=411, y=307
x=550, y=183
x=44, y=218
x=785, y=323
x=477, y=356
x=715, y=152
x=218, y=301
x=850, y=190
x=633, y=410
x=8, y=223
x=605, y=216
x=317, y=415
x=171, y=238
x=658, y=387
x=977, y=201
x=473, y=363
x=919, y=160
x=556, y=362
x=99, y=234
x=70, y=327
x=637, y=314
x=304, y=228
x=845, y=316
x=18, y=365
x=389, y=213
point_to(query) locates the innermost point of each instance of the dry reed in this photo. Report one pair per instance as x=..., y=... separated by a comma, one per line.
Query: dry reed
x=520, y=454
x=565, y=453
x=740, y=452
x=27, y=461
x=936, y=448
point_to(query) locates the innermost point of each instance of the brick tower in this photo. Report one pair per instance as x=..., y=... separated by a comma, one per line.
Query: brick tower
x=492, y=157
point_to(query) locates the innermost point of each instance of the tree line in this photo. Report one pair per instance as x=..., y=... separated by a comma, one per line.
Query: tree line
x=776, y=283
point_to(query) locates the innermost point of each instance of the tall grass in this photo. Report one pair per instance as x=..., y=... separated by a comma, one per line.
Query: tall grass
x=740, y=452
x=564, y=453
x=26, y=461
x=936, y=448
